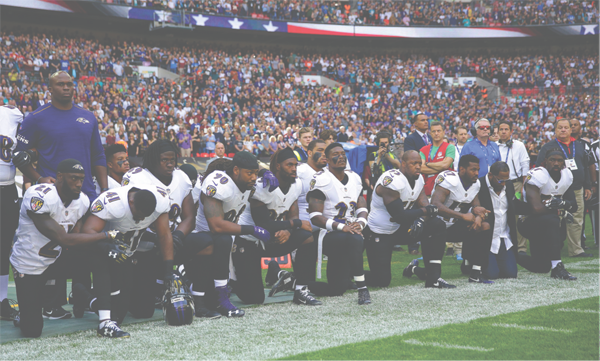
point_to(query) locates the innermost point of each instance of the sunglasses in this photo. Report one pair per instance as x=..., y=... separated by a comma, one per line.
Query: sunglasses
x=500, y=180
x=483, y=127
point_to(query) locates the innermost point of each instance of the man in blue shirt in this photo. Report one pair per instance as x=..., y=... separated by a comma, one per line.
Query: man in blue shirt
x=485, y=150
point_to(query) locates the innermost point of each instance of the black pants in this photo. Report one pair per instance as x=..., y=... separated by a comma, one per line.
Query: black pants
x=202, y=270
x=30, y=288
x=476, y=244
x=9, y=220
x=345, y=258
x=546, y=235
x=246, y=260
x=379, y=250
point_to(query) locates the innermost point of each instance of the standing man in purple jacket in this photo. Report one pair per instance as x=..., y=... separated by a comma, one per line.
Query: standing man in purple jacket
x=54, y=132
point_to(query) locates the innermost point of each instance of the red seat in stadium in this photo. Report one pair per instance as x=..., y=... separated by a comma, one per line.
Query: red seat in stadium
x=109, y=79
x=231, y=155
x=528, y=91
x=212, y=155
x=203, y=155
x=521, y=91
x=562, y=89
x=536, y=90
x=513, y=91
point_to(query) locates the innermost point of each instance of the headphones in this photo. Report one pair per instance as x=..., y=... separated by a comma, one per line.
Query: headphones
x=474, y=129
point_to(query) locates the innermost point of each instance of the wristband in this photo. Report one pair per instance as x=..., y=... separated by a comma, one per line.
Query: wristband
x=246, y=230
x=329, y=224
x=360, y=210
x=361, y=219
x=297, y=223
x=314, y=214
x=340, y=226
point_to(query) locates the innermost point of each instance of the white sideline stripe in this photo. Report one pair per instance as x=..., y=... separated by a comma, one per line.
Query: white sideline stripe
x=293, y=329
x=445, y=345
x=576, y=310
x=530, y=328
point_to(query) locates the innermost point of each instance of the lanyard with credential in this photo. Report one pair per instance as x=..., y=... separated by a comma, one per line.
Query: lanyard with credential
x=430, y=149
x=507, y=153
x=563, y=150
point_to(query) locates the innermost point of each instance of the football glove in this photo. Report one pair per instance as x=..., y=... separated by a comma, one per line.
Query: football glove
x=431, y=210
x=115, y=251
x=269, y=179
x=417, y=228
x=23, y=158
x=173, y=283
x=178, y=237
x=116, y=236
x=556, y=203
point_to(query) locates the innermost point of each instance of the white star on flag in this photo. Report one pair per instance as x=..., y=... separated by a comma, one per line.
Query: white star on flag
x=236, y=24
x=162, y=15
x=589, y=29
x=270, y=27
x=200, y=20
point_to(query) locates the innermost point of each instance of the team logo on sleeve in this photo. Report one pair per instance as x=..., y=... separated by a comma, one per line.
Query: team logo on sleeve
x=36, y=204
x=252, y=191
x=211, y=190
x=125, y=181
x=312, y=183
x=439, y=179
x=224, y=180
x=97, y=206
x=387, y=180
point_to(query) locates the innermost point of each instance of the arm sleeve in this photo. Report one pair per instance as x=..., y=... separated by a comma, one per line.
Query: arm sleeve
x=97, y=150
x=401, y=215
x=260, y=215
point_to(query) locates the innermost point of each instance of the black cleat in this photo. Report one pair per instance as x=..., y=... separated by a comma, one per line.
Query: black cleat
x=111, y=330
x=285, y=283
x=440, y=283
x=8, y=310
x=364, y=297
x=477, y=277
x=57, y=313
x=202, y=311
x=559, y=272
x=272, y=273
x=408, y=271
x=302, y=297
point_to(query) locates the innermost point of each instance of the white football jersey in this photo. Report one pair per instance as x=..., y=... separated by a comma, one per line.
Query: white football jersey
x=220, y=186
x=113, y=207
x=112, y=184
x=540, y=178
x=196, y=190
x=305, y=173
x=340, y=199
x=10, y=120
x=380, y=220
x=277, y=203
x=459, y=199
x=33, y=252
x=177, y=190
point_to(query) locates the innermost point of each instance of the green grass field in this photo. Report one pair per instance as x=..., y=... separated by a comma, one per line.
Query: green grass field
x=532, y=317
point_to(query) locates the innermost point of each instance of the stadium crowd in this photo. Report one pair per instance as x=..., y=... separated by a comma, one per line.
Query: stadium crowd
x=393, y=13
x=256, y=100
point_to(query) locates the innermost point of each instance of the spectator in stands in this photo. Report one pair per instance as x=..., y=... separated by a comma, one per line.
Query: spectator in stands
x=305, y=136
x=437, y=156
x=185, y=142
x=219, y=153
x=342, y=136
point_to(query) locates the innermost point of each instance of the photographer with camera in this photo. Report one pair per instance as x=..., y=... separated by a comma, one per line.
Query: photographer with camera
x=381, y=160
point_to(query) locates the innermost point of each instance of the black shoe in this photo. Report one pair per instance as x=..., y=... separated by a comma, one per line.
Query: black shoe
x=224, y=306
x=272, y=273
x=202, y=311
x=398, y=248
x=408, y=270
x=111, y=330
x=364, y=297
x=440, y=283
x=449, y=251
x=8, y=310
x=583, y=254
x=559, y=272
x=302, y=297
x=477, y=277
x=57, y=313
x=285, y=283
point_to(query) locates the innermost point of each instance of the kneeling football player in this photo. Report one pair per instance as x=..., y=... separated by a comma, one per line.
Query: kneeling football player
x=337, y=206
x=130, y=210
x=401, y=214
x=49, y=245
x=277, y=212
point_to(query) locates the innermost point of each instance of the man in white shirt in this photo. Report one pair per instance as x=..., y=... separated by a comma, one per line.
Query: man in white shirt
x=514, y=153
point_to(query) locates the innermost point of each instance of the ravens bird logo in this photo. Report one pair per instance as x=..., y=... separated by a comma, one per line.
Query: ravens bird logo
x=439, y=180
x=211, y=190
x=312, y=183
x=97, y=206
x=387, y=180
x=36, y=204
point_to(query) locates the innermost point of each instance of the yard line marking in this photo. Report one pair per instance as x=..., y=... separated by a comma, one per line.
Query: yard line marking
x=576, y=310
x=531, y=328
x=445, y=345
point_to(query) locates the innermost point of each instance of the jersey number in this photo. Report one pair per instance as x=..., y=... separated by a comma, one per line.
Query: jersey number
x=274, y=217
x=342, y=209
x=6, y=145
x=233, y=216
x=133, y=239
